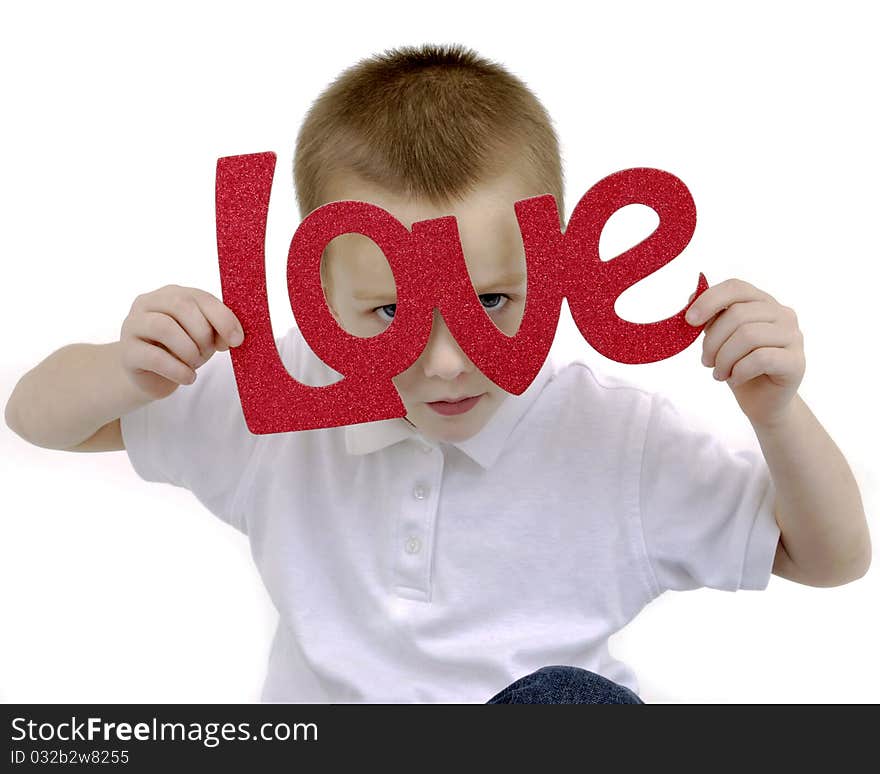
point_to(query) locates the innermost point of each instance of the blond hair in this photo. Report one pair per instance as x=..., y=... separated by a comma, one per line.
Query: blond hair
x=429, y=122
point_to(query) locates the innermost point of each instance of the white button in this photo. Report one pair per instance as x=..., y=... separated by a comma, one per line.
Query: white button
x=413, y=545
x=426, y=449
x=420, y=492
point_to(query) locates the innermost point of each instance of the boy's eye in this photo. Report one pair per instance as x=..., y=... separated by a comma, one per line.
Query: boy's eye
x=491, y=301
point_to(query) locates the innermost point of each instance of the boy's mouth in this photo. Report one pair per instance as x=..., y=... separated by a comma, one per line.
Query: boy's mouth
x=448, y=407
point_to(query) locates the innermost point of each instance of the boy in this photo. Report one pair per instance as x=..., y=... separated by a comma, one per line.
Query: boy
x=485, y=547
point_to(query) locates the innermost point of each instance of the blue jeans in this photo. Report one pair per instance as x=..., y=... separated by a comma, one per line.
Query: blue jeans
x=559, y=684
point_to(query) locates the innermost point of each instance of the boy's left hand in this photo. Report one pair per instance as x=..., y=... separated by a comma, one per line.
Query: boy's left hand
x=755, y=344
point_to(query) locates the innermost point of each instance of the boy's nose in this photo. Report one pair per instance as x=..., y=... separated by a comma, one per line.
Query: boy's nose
x=443, y=357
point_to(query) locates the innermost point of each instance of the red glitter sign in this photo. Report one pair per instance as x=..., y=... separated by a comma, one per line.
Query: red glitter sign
x=430, y=271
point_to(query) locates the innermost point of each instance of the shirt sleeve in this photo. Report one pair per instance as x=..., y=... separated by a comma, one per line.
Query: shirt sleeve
x=196, y=438
x=707, y=511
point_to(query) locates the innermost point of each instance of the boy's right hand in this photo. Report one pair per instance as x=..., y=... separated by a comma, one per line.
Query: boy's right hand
x=171, y=332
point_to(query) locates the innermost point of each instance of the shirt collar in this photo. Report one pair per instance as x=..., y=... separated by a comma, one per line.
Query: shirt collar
x=484, y=448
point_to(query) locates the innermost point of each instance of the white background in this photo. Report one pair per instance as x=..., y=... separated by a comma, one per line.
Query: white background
x=116, y=590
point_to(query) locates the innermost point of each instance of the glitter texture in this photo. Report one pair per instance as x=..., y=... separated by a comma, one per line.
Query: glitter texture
x=430, y=271
x=593, y=285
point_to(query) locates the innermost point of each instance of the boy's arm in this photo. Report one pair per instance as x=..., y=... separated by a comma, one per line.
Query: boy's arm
x=754, y=343
x=107, y=438
x=818, y=506
x=73, y=399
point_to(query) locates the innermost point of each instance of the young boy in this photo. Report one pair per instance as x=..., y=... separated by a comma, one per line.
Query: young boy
x=485, y=547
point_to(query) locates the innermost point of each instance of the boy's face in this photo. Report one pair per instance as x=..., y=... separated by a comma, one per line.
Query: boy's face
x=361, y=294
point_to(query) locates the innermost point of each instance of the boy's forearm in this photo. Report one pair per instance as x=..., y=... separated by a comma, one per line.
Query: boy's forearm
x=71, y=394
x=819, y=507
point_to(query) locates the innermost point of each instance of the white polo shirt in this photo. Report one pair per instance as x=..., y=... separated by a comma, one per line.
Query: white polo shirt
x=406, y=570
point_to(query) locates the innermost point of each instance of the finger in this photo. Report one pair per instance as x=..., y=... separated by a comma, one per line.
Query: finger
x=721, y=296
x=220, y=344
x=771, y=361
x=221, y=317
x=722, y=326
x=152, y=357
x=180, y=304
x=160, y=328
x=745, y=340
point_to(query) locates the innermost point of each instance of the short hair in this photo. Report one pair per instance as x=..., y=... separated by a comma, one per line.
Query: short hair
x=429, y=122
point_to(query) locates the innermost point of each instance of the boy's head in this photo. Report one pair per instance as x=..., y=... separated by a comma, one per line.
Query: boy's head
x=425, y=133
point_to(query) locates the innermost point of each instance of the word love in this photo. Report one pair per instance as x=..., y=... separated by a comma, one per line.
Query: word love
x=430, y=272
